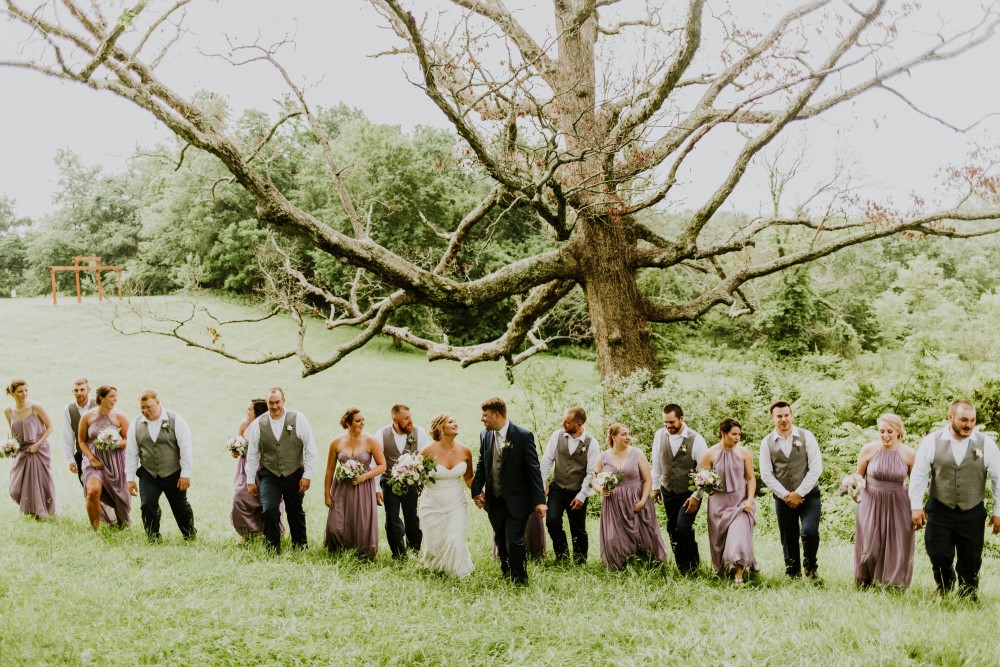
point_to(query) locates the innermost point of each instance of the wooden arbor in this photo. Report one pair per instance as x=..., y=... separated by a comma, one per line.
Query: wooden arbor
x=91, y=264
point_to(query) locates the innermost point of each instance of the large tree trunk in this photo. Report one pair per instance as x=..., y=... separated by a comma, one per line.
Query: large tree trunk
x=621, y=331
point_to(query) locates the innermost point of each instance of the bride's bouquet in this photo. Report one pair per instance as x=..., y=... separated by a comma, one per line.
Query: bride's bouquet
x=237, y=444
x=348, y=470
x=606, y=480
x=705, y=481
x=412, y=471
x=109, y=439
x=852, y=486
x=9, y=447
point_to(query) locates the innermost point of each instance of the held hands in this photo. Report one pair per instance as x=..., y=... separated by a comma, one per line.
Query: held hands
x=793, y=500
x=252, y=489
x=691, y=505
x=183, y=483
x=480, y=500
x=919, y=519
x=132, y=489
x=541, y=510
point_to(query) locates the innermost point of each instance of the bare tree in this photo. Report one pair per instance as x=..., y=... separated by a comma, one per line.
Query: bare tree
x=588, y=145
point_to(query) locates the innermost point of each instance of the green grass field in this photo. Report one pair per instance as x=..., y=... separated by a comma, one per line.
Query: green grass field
x=68, y=596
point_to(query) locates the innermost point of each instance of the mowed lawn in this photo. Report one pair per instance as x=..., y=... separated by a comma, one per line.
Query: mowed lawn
x=68, y=596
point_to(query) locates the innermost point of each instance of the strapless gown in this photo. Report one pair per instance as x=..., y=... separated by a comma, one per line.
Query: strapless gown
x=444, y=516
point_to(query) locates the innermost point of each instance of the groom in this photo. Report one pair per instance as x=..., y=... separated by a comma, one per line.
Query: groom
x=508, y=484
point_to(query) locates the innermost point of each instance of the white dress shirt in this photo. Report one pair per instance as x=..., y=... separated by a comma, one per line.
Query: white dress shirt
x=920, y=475
x=593, y=454
x=69, y=435
x=181, y=430
x=302, y=430
x=814, y=462
x=698, y=449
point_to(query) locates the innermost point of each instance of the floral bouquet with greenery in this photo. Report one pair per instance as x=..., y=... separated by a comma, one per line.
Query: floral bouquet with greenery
x=705, y=481
x=237, y=444
x=348, y=470
x=9, y=447
x=852, y=486
x=411, y=472
x=607, y=480
x=109, y=439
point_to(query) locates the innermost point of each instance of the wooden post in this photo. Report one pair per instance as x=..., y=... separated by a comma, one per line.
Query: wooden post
x=100, y=290
x=118, y=275
x=79, y=299
x=52, y=272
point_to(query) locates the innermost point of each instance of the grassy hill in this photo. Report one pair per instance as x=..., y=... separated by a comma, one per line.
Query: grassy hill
x=68, y=596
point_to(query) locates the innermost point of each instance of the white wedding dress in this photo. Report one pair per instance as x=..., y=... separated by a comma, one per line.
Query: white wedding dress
x=443, y=518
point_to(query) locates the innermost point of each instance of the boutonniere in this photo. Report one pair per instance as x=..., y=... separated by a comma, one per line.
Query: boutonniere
x=290, y=428
x=977, y=453
x=683, y=449
x=165, y=425
x=507, y=444
x=796, y=443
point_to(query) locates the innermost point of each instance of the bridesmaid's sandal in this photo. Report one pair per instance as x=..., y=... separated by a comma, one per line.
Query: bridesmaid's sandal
x=739, y=583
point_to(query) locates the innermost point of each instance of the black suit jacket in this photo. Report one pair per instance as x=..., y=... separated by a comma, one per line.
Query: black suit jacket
x=520, y=475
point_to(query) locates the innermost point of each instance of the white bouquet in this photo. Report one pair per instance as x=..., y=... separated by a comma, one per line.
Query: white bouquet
x=348, y=470
x=705, y=481
x=9, y=447
x=853, y=485
x=109, y=439
x=236, y=444
x=412, y=471
x=606, y=480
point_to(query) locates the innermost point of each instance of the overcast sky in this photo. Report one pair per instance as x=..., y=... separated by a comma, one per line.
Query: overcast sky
x=898, y=151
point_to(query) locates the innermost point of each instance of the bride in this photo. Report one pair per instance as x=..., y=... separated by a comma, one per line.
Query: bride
x=443, y=513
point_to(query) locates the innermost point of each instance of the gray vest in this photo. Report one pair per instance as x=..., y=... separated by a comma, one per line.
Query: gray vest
x=953, y=485
x=162, y=457
x=570, y=469
x=74, y=419
x=789, y=470
x=675, y=471
x=390, y=449
x=284, y=455
x=495, y=464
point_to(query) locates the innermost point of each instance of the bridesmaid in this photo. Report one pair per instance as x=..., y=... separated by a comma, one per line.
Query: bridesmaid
x=628, y=520
x=353, y=519
x=246, y=515
x=31, y=483
x=731, y=512
x=883, y=538
x=103, y=472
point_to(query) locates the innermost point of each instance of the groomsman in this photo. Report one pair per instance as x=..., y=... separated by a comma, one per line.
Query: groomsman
x=158, y=452
x=957, y=459
x=571, y=456
x=677, y=450
x=71, y=424
x=399, y=437
x=790, y=465
x=282, y=448
x=508, y=485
